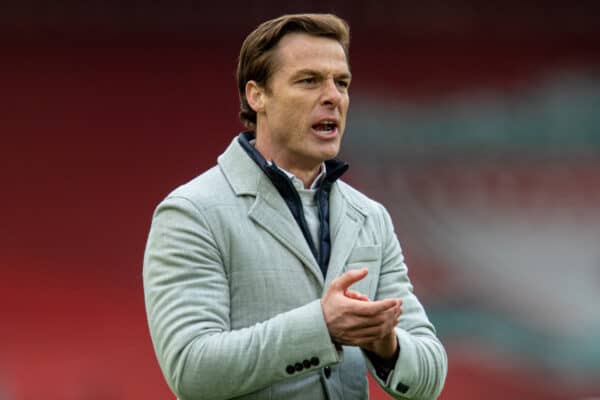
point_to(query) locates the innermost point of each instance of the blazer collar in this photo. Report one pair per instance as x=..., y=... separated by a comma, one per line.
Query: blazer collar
x=242, y=173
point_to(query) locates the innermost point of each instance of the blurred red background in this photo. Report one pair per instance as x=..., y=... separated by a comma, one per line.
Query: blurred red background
x=106, y=108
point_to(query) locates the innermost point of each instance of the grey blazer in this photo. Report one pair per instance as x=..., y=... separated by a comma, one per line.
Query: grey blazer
x=232, y=293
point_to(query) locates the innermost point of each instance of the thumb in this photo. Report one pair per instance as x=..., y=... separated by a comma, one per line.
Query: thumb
x=344, y=281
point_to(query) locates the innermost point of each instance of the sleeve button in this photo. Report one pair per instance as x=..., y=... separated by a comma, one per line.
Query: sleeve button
x=314, y=361
x=306, y=364
x=299, y=367
x=290, y=369
x=402, y=388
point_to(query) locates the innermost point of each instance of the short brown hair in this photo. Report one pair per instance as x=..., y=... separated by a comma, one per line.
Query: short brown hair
x=256, y=55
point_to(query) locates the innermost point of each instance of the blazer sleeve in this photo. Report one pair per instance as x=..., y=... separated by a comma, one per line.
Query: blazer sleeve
x=187, y=303
x=420, y=370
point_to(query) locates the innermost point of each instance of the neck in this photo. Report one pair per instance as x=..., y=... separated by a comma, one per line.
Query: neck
x=306, y=172
x=307, y=177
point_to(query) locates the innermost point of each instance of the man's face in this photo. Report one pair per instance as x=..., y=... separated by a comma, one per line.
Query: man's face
x=305, y=102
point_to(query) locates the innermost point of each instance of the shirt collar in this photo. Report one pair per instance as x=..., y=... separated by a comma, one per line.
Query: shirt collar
x=299, y=185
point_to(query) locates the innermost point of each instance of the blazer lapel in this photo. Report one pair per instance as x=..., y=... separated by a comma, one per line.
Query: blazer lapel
x=270, y=212
x=346, y=222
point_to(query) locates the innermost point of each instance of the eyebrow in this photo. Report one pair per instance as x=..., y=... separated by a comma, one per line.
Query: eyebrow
x=307, y=71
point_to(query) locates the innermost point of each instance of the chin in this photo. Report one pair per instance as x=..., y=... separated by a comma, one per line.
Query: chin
x=323, y=152
x=328, y=155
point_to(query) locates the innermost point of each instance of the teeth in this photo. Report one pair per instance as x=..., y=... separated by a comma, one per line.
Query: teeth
x=325, y=126
x=328, y=124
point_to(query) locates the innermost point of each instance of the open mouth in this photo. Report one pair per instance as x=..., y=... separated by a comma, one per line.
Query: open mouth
x=325, y=128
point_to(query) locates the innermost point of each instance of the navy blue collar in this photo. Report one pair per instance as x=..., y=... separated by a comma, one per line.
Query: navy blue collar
x=334, y=167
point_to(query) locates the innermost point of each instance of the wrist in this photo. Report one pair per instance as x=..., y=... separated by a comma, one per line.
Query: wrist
x=386, y=349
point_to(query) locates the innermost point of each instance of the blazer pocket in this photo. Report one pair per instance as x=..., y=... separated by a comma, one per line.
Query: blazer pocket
x=365, y=257
x=364, y=253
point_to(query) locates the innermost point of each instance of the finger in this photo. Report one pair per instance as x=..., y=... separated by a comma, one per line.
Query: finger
x=361, y=322
x=362, y=336
x=399, y=311
x=355, y=295
x=396, y=309
x=355, y=322
x=372, y=308
x=344, y=281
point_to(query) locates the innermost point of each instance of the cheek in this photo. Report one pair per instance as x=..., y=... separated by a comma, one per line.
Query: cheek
x=298, y=112
x=345, y=103
x=344, y=110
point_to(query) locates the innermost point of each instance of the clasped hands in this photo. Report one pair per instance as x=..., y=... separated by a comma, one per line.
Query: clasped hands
x=353, y=320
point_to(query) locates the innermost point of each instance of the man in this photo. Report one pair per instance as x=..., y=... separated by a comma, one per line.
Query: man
x=266, y=277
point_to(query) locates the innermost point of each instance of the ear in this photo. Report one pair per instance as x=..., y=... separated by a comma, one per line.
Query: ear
x=255, y=96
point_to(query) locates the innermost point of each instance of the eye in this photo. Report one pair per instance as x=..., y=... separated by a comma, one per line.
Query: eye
x=343, y=84
x=308, y=81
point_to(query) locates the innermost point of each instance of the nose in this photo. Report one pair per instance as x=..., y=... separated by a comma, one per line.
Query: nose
x=331, y=95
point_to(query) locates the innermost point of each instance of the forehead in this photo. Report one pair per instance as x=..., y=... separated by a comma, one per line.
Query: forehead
x=297, y=51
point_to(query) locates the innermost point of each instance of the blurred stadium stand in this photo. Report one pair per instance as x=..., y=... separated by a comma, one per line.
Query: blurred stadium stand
x=476, y=124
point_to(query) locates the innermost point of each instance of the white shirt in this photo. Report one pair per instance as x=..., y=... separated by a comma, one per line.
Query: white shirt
x=309, y=204
x=307, y=197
